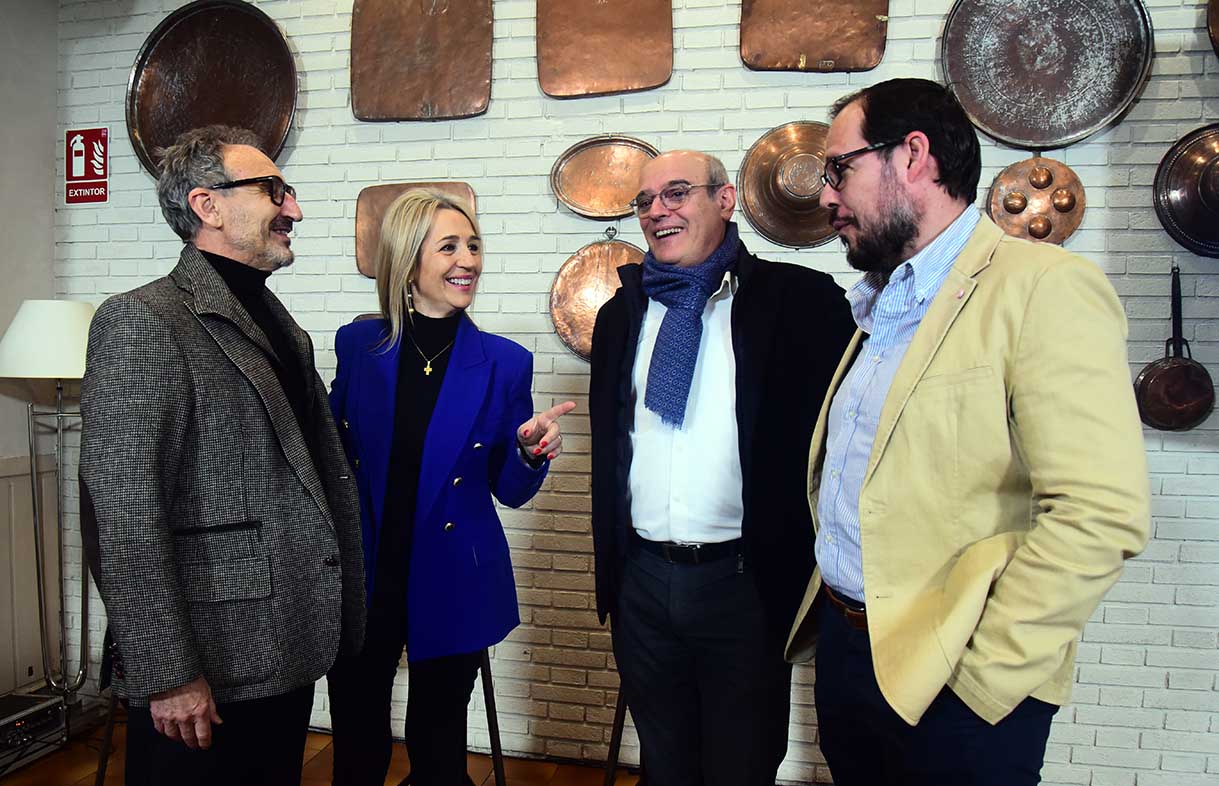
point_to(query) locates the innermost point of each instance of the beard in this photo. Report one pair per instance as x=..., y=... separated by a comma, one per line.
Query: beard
x=879, y=249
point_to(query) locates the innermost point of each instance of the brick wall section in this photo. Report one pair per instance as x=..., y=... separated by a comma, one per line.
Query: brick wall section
x=1146, y=706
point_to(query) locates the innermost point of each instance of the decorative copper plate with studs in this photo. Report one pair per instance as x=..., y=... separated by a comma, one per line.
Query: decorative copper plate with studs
x=1037, y=199
x=813, y=35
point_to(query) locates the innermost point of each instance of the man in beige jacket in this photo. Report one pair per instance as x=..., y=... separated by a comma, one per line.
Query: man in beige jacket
x=977, y=474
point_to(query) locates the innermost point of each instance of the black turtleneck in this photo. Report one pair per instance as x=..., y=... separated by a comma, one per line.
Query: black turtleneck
x=417, y=393
x=249, y=286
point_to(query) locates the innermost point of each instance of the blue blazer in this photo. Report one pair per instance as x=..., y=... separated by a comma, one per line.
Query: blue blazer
x=461, y=596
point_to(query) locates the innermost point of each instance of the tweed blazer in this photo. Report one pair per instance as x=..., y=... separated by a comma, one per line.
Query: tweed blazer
x=222, y=548
x=1006, y=486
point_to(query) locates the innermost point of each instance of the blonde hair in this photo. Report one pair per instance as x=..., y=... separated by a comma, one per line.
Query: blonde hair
x=407, y=221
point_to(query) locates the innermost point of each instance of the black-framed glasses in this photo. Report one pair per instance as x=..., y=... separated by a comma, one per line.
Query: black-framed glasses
x=672, y=197
x=274, y=185
x=834, y=169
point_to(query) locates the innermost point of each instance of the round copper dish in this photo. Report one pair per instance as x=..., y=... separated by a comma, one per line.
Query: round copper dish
x=1041, y=74
x=1187, y=191
x=599, y=176
x=1037, y=199
x=780, y=184
x=583, y=284
x=212, y=61
x=1212, y=23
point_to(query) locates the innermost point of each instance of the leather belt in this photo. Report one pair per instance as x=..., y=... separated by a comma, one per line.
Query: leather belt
x=856, y=614
x=689, y=553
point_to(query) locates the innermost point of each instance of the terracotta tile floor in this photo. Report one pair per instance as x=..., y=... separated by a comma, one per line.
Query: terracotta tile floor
x=76, y=765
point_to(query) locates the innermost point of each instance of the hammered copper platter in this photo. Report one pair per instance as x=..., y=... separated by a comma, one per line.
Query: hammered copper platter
x=1186, y=191
x=599, y=176
x=780, y=185
x=1037, y=199
x=583, y=284
x=596, y=47
x=813, y=35
x=370, y=209
x=420, y=59
x=212, y=61
x=1212, y=23
x=1042, y=74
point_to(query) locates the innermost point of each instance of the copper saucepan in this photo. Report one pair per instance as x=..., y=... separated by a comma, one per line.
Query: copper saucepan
x=1174, y=393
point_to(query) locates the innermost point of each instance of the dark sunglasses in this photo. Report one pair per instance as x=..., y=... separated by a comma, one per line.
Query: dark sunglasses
x=274, y=185
x=834, y=169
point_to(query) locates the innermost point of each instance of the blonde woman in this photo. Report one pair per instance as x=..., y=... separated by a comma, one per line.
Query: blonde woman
x=437, y=417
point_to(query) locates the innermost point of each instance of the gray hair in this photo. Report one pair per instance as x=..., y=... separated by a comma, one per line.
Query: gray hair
x=194, y=159
x=717, y=173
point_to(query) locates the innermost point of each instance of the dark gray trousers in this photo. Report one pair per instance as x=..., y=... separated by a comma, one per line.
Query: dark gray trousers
x=705, y=679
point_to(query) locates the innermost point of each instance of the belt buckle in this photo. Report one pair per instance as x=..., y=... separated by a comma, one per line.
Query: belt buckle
x=670, y=549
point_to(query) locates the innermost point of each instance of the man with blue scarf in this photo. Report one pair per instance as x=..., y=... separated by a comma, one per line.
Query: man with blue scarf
x=709, y=366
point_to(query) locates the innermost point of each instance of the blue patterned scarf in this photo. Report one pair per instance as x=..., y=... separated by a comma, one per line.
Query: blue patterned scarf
x=684, y=291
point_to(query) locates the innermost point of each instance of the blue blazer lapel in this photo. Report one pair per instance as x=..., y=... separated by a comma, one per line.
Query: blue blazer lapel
x=460, y=402
x=377, y=398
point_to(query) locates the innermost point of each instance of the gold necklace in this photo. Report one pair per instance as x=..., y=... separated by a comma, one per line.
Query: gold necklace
x=427, y=367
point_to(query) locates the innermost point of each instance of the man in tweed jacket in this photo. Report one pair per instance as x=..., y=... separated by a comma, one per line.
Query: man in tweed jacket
x=225, y=521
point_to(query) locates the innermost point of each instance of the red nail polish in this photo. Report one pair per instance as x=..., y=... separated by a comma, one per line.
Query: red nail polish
x=525, y=433
x=550, y=457
x=543, y=443
x=536, y=451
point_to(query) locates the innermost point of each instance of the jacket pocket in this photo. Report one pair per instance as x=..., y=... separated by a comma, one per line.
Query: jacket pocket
x=216, y=582
x=232, y=619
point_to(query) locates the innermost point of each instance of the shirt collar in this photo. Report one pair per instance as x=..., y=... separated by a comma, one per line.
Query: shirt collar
x=929, y=267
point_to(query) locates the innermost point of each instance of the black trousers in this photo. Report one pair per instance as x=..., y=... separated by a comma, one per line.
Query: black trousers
x=866, y=743
x=437, y=698
x=704, y=678
x=260, y=743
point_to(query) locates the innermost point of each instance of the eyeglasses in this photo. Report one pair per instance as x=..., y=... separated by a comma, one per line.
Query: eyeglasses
x=672, y=197
x=834, y=169
x=274, y=185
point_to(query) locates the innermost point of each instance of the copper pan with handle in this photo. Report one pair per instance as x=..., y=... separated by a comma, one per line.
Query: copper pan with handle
x=1175, y=393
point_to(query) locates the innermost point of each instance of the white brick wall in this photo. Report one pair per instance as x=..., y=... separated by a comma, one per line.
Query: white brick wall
x=1146, y=705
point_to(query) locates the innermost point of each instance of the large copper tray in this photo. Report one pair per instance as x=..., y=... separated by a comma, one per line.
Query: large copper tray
x=1042, y=74
x=213, y=61
x=1187, y=191
x=813, y=35
x=420, y=59
x=583, y=284
x=595, y=47
x=780, y=185
x=1038, y=199
x=599, y=176
x=1212, y=23
x=370, y=209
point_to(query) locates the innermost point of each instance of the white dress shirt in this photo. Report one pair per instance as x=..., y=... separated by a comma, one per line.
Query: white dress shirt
x=685, y=483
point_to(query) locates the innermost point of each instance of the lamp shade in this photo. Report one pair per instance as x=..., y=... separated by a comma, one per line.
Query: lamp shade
x=46, y=340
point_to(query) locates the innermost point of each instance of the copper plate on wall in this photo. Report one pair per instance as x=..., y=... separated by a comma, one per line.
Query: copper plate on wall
x=1187, y=191
x=582, y=286
x=420, y=59
x=1042, y=74
x=596, y=47
x=780, y=185
x=1212, y=23
x=370, y=209
x=1037, y=199
x=599, y=176
x=212, y=61
x=816, y=35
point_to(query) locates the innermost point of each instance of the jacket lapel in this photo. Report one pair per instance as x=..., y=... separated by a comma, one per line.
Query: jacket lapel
x=227, y=322
x=460, y=402
x=377, y=398
x=954, y=293
x=753, y=330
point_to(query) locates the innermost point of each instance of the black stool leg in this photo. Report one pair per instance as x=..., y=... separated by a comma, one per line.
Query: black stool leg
x=103, y=754
x=497, y=751
x=611, y=761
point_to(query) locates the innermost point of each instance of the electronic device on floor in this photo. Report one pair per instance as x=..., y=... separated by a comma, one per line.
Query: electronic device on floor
x=33, y=723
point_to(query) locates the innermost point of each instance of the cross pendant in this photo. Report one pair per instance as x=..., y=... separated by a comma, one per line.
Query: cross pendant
x=427, y=370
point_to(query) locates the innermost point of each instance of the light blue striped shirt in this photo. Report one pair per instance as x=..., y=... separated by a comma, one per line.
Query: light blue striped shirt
x=890, y=316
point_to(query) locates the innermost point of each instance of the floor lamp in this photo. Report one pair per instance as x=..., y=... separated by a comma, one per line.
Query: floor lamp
x=44, y=345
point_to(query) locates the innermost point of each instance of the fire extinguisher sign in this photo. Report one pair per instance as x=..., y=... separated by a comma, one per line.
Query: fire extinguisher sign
x=87, y=166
